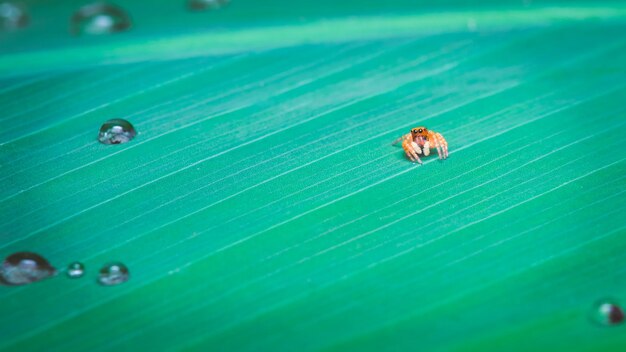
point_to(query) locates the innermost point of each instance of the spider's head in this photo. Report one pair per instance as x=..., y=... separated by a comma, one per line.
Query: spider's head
x=419, y=131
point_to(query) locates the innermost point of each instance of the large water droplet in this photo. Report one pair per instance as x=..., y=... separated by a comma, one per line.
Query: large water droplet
x=99, y=18
x=201, y=5
x=116, y=131
x=607, y=312
x=113, y=274
x=24, y=268
x=75, y=270
x=12, y=16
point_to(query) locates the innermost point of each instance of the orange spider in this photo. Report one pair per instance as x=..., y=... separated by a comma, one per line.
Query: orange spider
x=421, y=140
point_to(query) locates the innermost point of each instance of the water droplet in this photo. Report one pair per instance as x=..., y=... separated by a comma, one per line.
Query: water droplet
x=24, y=268
x=116, y=131
x=99, y=18
x=201, y=5
x=113, y=274
x=75, y=270
x=607, y=312
x=12, y=16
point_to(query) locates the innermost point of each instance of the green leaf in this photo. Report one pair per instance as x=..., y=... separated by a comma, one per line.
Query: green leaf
x=261, y=205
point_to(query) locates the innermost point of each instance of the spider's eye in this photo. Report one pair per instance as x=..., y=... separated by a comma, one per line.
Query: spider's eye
x=414, y=131
x=420, y=130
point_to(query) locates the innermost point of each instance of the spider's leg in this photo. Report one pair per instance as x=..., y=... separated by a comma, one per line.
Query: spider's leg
x=397, y=140
x=433, y=137
x=444, y=144
x=410, y=151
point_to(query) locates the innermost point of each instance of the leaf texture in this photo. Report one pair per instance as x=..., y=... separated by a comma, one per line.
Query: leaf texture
x=261, y=206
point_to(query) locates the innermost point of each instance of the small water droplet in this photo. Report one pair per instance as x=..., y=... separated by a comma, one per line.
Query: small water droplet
x=12, y=16
x=116, y=131
x=113, y=274
x=201, y=5
x=99, y=18
x=608, y=313
x=75, y=270
x=24, y=268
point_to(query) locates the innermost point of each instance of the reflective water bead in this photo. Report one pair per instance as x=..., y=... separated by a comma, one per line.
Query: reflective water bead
x=99, y=18
x=23, y=268
x=113, y=274
x=116, y=131
x=200, y=5
x=608, y=313
x=12, y=16
x=75, y=270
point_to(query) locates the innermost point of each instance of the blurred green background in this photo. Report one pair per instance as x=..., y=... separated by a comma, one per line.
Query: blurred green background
x=261, y=205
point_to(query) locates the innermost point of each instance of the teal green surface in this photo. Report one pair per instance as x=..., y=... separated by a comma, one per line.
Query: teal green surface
x=261, y=206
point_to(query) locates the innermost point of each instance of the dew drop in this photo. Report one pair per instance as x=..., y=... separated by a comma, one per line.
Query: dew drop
x=607, y=313
x=113, y=274
x=116, y=131
x=75, y=270
x=12, y=16
x=99, y=18
x=23, y=268
x=201, y=5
